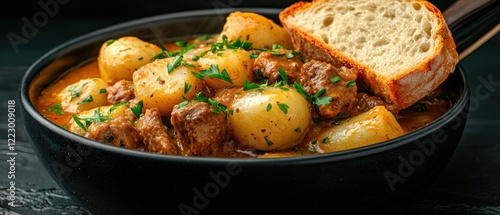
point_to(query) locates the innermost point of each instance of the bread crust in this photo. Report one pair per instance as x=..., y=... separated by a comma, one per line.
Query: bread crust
x=404, y=89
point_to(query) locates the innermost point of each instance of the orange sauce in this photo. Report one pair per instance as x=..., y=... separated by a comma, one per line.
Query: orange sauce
x=49, y=96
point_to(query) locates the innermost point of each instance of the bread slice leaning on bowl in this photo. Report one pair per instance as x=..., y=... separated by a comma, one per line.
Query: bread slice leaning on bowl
x=402, y=49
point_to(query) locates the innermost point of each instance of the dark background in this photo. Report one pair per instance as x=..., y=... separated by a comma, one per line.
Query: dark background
x=469, y=185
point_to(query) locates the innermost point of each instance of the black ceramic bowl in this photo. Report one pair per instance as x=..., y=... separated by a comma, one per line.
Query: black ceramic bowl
x=112, y=180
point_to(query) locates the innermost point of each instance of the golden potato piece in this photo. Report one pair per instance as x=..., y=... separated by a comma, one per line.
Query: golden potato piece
x=158, y=89
x=118, y=59
x=84, y=95
x=257, y=29
x=373, y=126
x=105, y=113
x=269, y=119
x=237, y=63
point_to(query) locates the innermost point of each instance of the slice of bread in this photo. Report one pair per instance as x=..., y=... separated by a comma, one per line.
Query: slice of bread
x=402, y=49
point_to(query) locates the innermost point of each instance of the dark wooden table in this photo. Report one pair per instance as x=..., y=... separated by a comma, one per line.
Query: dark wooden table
x=469, y=185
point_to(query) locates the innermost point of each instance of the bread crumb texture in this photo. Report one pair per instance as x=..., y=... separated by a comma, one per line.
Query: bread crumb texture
x=404, y=34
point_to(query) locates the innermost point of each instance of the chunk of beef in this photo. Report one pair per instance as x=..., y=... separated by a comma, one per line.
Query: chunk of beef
x=200, y=128
x=121, y=91
x=155, y=134
x=317, y=75
x=269, y=62
x=118, y=131
x=366, y=102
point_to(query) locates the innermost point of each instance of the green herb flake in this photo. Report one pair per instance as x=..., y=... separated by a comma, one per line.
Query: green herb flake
x=186, y=64
x=86, y=100
x=283, y=75
x=217, y=106
x=113, y=108
x=181, y=43
x=76, y=92
x=325, y=140
x=236, y=44
x=323, y=100
x=137, y=109
x=269, y=106
x=254, y=55
x=182, y=104
x=335, y=79
x=109, y=42
x=214, y=72
x=187, y=87
x=80, y=124
x=174, y=64
x=350, y=83
x=269, y=142
x=249, y=86
x=283, y=107
x=297, y=86
x=57, y=108
x=102, y=91
x=297, y=130
x=140, y=58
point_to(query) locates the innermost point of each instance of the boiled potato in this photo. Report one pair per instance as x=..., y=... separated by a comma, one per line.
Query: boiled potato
x=257, y=29
x=373, y=126
x=159, y=89
x=105, y=113
x=269, y=118
x=118, y=59
x=83, y=95
x=237, y=63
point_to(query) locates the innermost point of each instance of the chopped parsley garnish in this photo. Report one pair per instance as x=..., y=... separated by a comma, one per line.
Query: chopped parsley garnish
x=283, y=76
x=181, y=43
x=86, y=100
x=350, y=83
x=297, y=130
x=174, y=64
x=137, y=109
x=109, y=42
x=57, y=108
x=283, y=107
x=269, y=106
x=217, y=106
x=214, y=72
x=269, y=142
x=335, y=79
x=102, y=90
x=249, y=86
x=140, y=58
x=186, y=64
x=97, y=117
x=325, y=140
x=254, y=55
x=113, y=108
x=76, y=92
x=316, y=98
x=187, y=87
x=236, y=44
x=183, y=103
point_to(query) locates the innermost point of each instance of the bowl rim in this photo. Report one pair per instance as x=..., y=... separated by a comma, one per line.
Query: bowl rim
x=52, y=55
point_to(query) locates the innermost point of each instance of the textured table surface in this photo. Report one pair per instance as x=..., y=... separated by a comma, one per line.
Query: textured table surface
x=470, y=184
